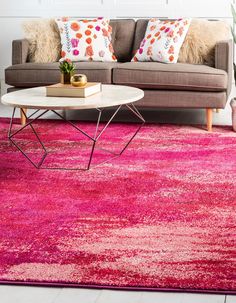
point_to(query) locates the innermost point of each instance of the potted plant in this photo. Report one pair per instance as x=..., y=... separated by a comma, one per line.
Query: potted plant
x=67, y=69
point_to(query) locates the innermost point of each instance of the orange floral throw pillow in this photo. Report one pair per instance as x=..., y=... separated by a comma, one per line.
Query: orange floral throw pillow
x=86, y=40
x=163, y=40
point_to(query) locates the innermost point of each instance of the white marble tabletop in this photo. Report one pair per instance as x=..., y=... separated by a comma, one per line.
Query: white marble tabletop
x=111, y=95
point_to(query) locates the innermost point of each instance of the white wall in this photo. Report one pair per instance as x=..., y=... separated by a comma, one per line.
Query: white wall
x=14, y=12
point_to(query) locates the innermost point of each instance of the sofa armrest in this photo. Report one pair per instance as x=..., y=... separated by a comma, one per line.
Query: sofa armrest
x=20, y=51
x=224, y=60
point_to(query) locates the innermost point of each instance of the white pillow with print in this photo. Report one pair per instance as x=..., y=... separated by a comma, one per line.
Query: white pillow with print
x=163, y=40
x=86, y=40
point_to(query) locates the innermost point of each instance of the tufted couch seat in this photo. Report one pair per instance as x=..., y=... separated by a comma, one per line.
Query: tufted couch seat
x=39, y=74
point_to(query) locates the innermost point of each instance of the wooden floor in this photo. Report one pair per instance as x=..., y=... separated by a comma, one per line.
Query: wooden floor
x=21, y=294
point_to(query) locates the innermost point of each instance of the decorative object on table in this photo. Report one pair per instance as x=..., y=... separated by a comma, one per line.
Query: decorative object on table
x=67, y=90
x=233, y=105
x=86, y=40
x=67, y=70
x=78, y=80
x=163, y=40
x=121, y=224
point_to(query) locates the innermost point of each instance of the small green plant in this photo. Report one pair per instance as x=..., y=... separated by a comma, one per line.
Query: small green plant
x=67, y=67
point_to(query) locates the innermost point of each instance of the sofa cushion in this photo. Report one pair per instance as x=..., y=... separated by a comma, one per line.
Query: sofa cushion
x=179, y=76
x=122, y=38
x=199, y=44
x=162, y=41
x=86, y=39
x=38, y=74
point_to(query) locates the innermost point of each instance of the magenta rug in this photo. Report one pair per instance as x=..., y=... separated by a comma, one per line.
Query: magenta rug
x=162, y=216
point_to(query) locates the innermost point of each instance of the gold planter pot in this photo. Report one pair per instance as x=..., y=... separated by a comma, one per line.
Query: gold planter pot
x=65, y=78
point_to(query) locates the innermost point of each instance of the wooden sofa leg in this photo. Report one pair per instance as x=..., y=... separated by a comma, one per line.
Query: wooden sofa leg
x=22, y=116
x=209, y=115
x=217, y=110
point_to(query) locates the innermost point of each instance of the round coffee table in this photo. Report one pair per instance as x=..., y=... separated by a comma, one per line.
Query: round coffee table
x=114, y=96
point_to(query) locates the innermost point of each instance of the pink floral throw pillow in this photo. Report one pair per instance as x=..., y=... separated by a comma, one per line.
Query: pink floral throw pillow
x=86, y=40
x=163, y=40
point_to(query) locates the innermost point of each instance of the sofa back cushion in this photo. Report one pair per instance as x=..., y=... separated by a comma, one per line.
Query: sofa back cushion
x=123, y=31
x=140, y=30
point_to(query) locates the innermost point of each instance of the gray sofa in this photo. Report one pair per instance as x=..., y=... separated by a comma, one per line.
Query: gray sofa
x=165, y=85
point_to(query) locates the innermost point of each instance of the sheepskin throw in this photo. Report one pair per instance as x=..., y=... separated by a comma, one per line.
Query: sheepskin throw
x=200, y=42
x=44, y=38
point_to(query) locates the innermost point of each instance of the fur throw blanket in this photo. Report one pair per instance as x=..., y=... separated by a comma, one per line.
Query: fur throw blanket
x=199, y=44
x=44, y=39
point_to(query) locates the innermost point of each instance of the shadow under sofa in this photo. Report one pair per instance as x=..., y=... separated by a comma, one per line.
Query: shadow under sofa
x=179, y=85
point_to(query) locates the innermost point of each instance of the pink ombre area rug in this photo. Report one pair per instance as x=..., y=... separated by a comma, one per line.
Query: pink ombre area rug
x=161, y=216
